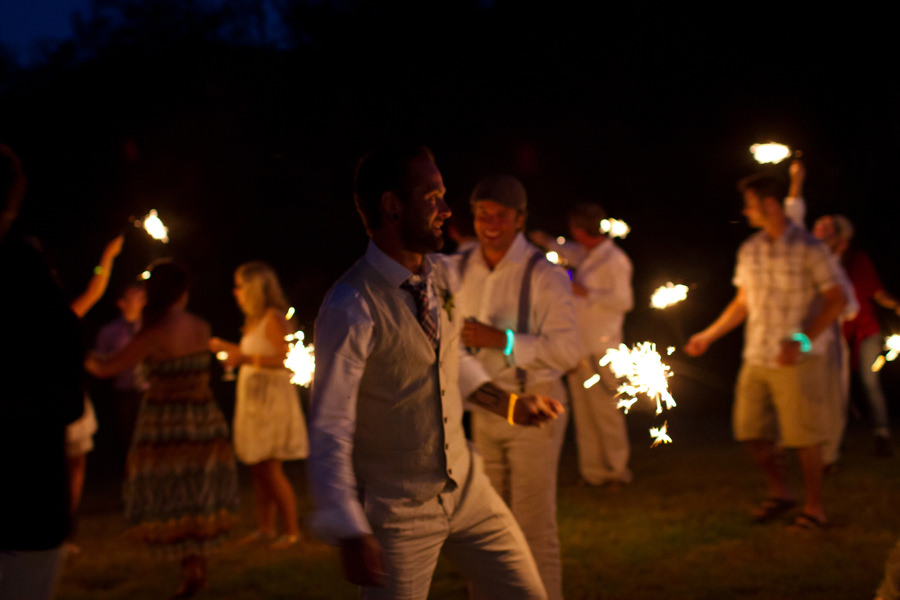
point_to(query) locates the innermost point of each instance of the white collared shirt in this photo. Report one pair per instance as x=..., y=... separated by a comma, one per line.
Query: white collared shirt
x=606, y=273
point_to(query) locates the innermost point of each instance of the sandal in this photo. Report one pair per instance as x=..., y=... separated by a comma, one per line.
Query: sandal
x=771, y=508
x=807, y=522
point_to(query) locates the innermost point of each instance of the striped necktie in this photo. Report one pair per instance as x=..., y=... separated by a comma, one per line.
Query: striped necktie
x=419, y=292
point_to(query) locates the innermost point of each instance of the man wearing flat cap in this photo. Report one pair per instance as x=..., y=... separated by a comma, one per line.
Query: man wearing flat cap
x=521, y=327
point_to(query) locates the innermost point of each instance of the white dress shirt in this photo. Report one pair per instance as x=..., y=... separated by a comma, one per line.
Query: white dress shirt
x=492, y=298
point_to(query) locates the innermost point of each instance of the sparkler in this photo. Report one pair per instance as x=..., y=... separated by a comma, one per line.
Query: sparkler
x=644, y=373
x=770, y=152
x=892, y=346
x=660, y=436
x=301, y=359
x=668, y=295
x=615, y=228
x=153, y=226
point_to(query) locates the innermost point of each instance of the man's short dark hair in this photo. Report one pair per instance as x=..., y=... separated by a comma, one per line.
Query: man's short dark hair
x=587, y=216
x=381, y=171
x=764, y=186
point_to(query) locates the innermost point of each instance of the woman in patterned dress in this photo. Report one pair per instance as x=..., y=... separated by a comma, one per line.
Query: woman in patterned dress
x=268, y=424
x=181, y=484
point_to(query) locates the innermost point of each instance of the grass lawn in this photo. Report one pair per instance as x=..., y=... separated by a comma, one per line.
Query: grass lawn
x=680, y=531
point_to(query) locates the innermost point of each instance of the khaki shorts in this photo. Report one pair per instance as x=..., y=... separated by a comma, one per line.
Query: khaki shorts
x=782, y=402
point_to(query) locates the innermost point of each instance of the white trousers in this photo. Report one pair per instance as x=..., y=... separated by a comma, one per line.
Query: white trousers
x=474, y=529
x=522, y=464
x=600, y=433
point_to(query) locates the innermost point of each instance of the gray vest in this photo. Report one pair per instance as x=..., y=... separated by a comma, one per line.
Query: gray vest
x=409, y=441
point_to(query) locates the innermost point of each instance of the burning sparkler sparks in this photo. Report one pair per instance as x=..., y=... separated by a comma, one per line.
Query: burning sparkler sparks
x=289, y=314
x=659, y=435
x=553, y=257
x=301, y=359
x=615, y=228
x=892, y=347
x=644, y=373
x=770, y=152
x=153, y=226
x=668, y=295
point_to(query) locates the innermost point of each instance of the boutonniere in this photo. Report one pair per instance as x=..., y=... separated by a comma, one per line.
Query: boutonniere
x=447, y=304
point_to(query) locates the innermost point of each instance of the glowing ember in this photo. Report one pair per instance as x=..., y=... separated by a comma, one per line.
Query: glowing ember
x=301, y=359
x=644, y=373
x=154, y=226
x=770, y=152
x=222, y=355
x=892, y=348
x=591, y=381
x=290, y=313
x=670, y=350
x=668, y=295
x=615, y=228
x=660, y=436
x=892, y=345
x=553, y=257
x=145, y=275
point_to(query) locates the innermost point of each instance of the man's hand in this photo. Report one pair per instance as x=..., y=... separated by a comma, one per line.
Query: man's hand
x=363, y=561
x=536, y=410
x=697, y=345
x=789, y=353
x=479, y=335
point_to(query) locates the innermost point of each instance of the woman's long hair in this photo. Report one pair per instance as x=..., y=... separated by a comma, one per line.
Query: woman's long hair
x=261, y=290
x=167, y=282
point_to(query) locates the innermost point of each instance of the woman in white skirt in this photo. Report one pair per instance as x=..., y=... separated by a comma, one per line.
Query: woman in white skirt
x=268, y=423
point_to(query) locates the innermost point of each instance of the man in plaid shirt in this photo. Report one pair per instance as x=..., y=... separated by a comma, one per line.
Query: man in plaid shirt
x=789, y=293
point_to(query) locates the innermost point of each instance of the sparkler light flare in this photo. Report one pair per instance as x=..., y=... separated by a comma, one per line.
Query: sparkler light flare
x=301, y=359
x=591, y=381
x=154, y=226
x=659, y=435
x=770, y=152
x=615, y=228
x=668, y=294
x=644, y=373
x=892, y=347
x=289, y=314
x=553, y=257
x=222, y=355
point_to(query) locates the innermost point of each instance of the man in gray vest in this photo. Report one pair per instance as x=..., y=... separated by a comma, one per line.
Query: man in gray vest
x=392, y=476
x=521, y=327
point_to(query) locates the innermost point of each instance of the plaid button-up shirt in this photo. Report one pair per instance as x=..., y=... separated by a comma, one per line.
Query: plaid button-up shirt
x=783, y=280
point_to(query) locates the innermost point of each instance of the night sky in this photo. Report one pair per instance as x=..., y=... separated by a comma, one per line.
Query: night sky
x=246, y=144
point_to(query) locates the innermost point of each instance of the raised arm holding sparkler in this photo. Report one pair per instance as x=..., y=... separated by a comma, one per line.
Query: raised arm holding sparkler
x=97, y=285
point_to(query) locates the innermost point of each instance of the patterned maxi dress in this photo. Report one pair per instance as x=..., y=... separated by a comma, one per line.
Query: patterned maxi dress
x=181, y=483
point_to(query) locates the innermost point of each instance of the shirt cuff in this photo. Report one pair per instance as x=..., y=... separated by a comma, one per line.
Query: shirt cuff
x=331, y=525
